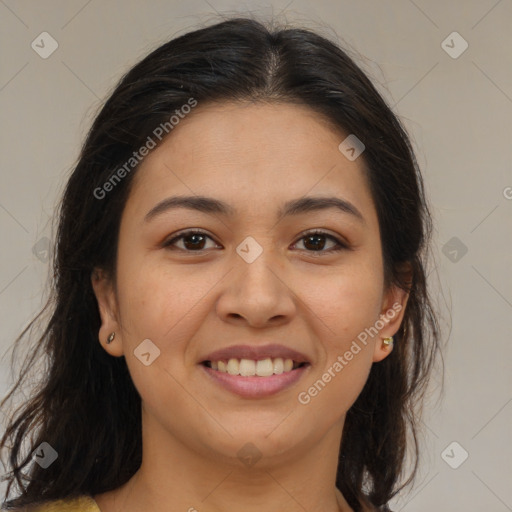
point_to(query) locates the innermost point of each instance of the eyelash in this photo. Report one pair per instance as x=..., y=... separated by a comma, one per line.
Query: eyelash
x=339, y=247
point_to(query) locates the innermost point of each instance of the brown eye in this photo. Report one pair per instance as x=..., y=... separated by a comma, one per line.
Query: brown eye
x=193, y=241
x=315, y=242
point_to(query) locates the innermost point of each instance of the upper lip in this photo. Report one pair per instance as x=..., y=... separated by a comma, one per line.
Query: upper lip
x=256, y=353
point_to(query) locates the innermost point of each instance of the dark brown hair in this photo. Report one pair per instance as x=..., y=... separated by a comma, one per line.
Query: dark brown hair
x=86, y=406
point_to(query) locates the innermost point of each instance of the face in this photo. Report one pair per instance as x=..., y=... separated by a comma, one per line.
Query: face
x=250, y=282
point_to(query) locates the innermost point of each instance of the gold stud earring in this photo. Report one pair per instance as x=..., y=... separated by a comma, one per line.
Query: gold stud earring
x=110, y=339
x=388, y=342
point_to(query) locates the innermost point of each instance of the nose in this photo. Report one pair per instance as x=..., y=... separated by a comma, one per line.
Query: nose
x=257, y=293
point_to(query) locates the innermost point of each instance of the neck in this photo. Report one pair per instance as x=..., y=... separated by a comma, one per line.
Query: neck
x=173, y=476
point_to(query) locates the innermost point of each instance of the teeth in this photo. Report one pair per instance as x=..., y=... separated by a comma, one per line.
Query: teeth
x=264, y=368
x=278, y=366
x=233, y=367
x=249, y=367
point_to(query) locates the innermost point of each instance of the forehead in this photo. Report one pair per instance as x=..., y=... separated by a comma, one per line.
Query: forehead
x=235, y=136
x=252, y=153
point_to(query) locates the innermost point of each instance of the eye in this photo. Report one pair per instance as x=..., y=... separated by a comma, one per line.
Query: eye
x=193, y=240
x=314, y=239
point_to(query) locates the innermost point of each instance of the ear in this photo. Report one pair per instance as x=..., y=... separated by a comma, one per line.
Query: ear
x=105, y=295
x=392, y=313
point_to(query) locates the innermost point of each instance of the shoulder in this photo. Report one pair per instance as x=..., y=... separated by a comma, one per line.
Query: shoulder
x=84, y=503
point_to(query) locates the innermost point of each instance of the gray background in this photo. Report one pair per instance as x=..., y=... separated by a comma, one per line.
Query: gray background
x=457, y=111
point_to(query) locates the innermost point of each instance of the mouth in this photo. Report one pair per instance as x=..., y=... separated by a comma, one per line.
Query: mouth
x=255, y=371
x=262, y=368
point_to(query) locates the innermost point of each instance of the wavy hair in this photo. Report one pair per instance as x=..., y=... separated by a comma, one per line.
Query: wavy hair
x=85, y=404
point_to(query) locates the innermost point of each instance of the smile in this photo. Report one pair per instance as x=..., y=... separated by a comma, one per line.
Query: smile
x=250, y=367
x=249, y=378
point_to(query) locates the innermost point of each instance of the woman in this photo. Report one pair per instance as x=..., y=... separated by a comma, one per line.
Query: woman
x=240, y=313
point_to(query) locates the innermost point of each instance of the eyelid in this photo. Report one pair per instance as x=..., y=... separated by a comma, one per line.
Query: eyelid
x=341, y=243
x=183, y=233
x=318, y=231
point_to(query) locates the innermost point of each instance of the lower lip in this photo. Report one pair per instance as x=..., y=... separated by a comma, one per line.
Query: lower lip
x=256, y=387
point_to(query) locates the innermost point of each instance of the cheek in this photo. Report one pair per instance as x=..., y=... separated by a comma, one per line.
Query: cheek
x=347, y=300
x=349, y=305
x=160, y=304
x=155, y=297
x=166, y=305
x=332, y=392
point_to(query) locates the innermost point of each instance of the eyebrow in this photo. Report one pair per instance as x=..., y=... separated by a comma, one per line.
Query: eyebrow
x=216, y=206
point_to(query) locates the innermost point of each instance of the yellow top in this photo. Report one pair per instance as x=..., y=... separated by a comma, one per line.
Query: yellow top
x=83, y=503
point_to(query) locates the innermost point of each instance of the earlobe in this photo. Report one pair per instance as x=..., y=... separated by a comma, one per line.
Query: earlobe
x=107, y=307
x=392, y=315
x=383, y=349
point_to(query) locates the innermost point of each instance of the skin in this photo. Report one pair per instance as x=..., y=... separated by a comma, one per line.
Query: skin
x=254, y=157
